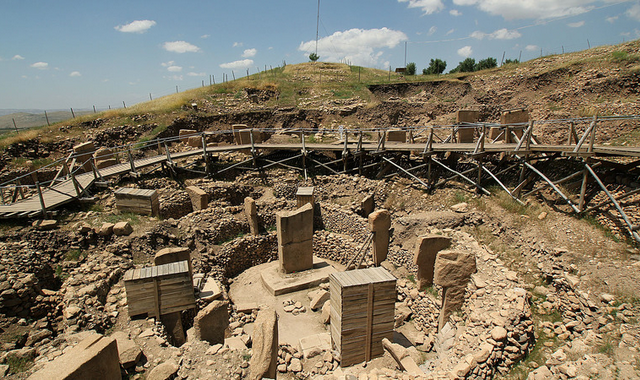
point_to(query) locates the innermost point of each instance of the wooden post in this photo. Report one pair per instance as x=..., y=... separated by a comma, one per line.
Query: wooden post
x=14, y=124
x=124, y=105
x=44, y=208
x=204, y=154
x=73, y=115
x=47, y=117
x=593, y=134
x=583, y=188
x=166, y=149
x=131, y=163
x=94, y=109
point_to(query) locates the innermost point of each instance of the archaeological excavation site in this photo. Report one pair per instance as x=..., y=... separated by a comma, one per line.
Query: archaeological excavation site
x=478, y=226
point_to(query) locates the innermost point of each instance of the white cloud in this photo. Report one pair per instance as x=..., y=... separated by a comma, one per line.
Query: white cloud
x=174, y=77
x=40, y=65
x=500, y=34
x=17, y=57
x=243, y=64
x=137, y=26
x=530, y=9
x=634, y=12
x=75, y=74
x=359, y=46
x=237, y=44
x=449, y=32
x=248, y=53
x=575, y=24
x=465, y=51
x=205, y=36
x=432, y=30
x=532, y=48
x=167, y=64
x=192, y=74
x=427, y=6
x=455, y=12
x=174, y=69
x=612, y=19
x=180, y=47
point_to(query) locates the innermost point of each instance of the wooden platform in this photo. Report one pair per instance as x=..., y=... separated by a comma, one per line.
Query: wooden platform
x=65, y=191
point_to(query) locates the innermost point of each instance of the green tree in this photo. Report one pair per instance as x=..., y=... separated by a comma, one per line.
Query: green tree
x=314, y=57
x=410, y=69
x=511, y=61
x=488, y=63
x=466, y=66
x=436, y=66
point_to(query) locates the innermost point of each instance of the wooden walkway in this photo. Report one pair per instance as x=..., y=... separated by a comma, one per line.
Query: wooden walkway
x=65, y=191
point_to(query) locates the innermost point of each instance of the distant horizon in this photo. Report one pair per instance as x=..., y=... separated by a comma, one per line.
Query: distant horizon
x=65, y=54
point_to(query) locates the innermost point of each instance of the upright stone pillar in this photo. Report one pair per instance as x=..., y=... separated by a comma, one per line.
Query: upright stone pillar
x=295, y=239
x=304, y=195
x=251, y=211
x=465, y=132
x=84, y=155
x=211, y=322
x=264, y=360
x=427, y=247
x=367, y=205
x=379, y=224
x=199, y=198
x=453, y=270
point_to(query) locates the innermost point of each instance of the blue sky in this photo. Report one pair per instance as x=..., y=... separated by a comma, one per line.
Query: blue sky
x=62, y=54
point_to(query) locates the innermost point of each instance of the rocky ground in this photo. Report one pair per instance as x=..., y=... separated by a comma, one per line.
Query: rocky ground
x=553, y=296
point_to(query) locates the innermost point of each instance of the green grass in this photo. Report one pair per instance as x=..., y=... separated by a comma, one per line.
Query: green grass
x=75, y=255
x=590, y=219
x=18, y=365
x=130, y=217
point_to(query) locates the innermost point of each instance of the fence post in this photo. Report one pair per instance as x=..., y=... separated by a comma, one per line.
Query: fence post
x=44, y=208
x=131, y=163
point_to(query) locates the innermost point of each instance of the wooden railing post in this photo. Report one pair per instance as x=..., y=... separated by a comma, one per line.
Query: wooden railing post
x=44, y=208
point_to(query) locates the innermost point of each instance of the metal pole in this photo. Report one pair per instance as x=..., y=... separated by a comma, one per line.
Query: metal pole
x=615, y=203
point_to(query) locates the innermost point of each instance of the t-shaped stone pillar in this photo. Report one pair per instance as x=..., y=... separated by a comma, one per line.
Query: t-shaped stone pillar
x=380, y=223
x=295, y=239
x=453, y=270
x=427, y=247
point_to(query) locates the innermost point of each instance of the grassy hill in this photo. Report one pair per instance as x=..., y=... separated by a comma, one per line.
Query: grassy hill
x=601, y=80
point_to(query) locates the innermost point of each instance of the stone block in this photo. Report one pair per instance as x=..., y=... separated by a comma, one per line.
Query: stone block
x=242, y=134
x=304, y=195
x=195, y=141
x=96, y=357
x=467, y=116
x=211, y=322
x=84, y=155
x=427, y=247
x=105, y=163
x=174, y=255
x=122, y=229
x=173, y=326
x=397, y=135
x=295, y=239
x=454, y=268
x=367, y=205
x=128, y=351
x=452, y=300
x=184, y=134
x=164, y=371
x=319, y=299
x=264, y=358
x=199, y=198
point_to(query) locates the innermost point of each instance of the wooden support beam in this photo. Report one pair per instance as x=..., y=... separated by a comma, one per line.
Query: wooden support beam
x=501, y=185
x=462, y=176
x=557, y=190
x=407, y=173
